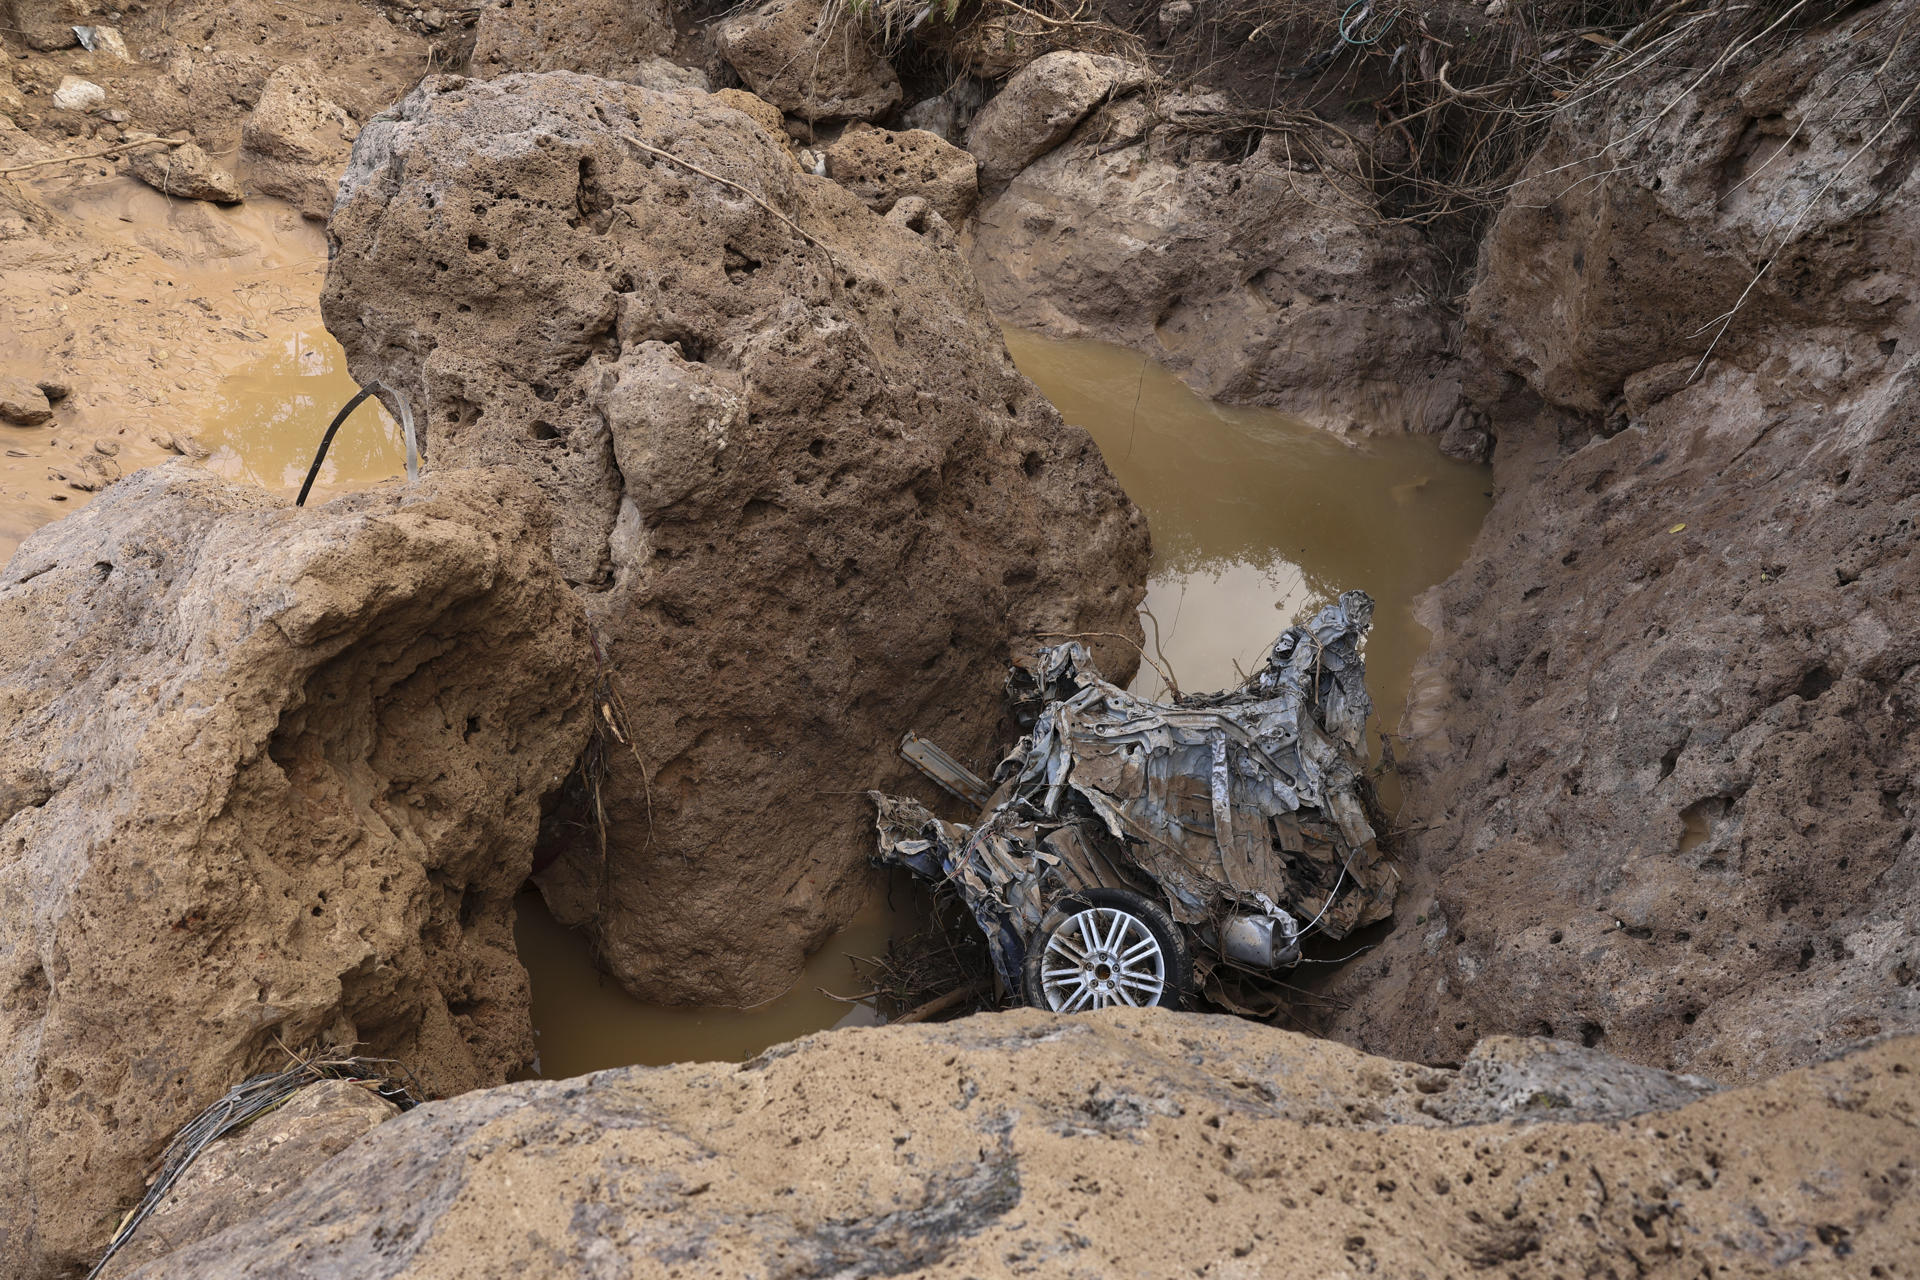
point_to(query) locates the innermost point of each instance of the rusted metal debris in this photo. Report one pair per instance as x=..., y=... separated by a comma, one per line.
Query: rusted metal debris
x=1223, y=829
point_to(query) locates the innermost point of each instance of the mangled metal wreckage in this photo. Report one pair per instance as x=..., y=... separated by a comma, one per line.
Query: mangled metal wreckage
x=1136, y=852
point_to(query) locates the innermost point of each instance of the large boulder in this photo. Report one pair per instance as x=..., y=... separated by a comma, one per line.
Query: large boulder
x=618, y=39
x=790, y=53
x=1132, y=1142
x=1044, y=103
x=268, y=777
x=295, y=142
x=1667, y=765
x=805, y=495
x=883, y=167
x=1259, y=276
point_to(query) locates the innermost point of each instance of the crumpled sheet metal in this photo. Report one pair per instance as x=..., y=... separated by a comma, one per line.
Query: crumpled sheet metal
x=1230, y=803
x=999, y=883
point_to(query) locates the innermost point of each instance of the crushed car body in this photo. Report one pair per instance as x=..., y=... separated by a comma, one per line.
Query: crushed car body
x=1133, y=852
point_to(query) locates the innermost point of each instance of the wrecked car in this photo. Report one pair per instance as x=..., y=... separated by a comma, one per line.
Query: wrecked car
x=1130, y=852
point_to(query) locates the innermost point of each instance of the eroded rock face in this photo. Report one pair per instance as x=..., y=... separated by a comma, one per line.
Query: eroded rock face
x=618, y=39
x=883, y=167
x=788, y=54
x=757, y=109
x=48, y=24
x=807, y=499
x=1139, y=1142
x=1668, y=742
x=1042, y=104
x=296, y=142
x=1252, y=276
x=267, y=776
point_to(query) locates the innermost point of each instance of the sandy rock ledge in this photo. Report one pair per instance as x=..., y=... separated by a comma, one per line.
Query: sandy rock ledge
x=266, y=776
x=1138, y=1142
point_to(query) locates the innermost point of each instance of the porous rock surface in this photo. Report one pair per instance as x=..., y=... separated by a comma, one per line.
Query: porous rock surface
x=267, y=776
x=1131, y=1142
x=806, y=497
x=1669, y=739
x=296, y=141
x=755, y=108
x=1255, y=277
x=884, y=166
x=185, y=171
x=1043, y=103
x=789, y=54
x=618, y=39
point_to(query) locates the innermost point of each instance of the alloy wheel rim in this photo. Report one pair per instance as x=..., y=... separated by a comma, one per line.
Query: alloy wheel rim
x=1101, y=957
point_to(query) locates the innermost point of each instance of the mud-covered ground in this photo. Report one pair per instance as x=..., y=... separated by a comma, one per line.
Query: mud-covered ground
x=136, y=304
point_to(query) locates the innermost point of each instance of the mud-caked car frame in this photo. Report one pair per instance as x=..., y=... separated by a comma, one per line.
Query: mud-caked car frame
x=1131, y=852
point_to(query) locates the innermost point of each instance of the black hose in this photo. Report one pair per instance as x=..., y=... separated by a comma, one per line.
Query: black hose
x=327, y=439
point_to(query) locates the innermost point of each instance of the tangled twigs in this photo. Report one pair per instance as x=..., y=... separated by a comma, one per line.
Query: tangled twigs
x=247, y=1102
x=96, y=155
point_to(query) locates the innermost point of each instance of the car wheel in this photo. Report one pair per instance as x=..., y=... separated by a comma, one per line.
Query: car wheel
x=1103, y=947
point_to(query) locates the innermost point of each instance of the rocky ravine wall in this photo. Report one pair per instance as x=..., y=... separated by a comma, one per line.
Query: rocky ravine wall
x=267, y=777
x=1250, y=271
x=1133, y=1142
x=804, y=494
x=1669, y=738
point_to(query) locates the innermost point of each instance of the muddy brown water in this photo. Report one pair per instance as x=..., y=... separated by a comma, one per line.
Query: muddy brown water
x=1259, y=518
x=267, y=424
x=169, y=318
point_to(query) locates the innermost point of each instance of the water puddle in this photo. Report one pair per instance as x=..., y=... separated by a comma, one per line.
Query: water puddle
x=1259, y=518
x=271, y=415
x=583, y=1021
x=146, y=308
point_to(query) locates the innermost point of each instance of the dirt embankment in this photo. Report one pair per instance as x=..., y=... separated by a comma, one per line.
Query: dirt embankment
x=1133, y=1142
x=1669, y=742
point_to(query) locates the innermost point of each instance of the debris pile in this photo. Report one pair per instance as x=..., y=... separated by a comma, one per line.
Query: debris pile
x=1246, y=814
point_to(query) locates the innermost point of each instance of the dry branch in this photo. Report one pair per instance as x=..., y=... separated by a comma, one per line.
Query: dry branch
x=96, y=155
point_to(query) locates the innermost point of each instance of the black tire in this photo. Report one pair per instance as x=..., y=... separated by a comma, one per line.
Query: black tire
x=1176, y=962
